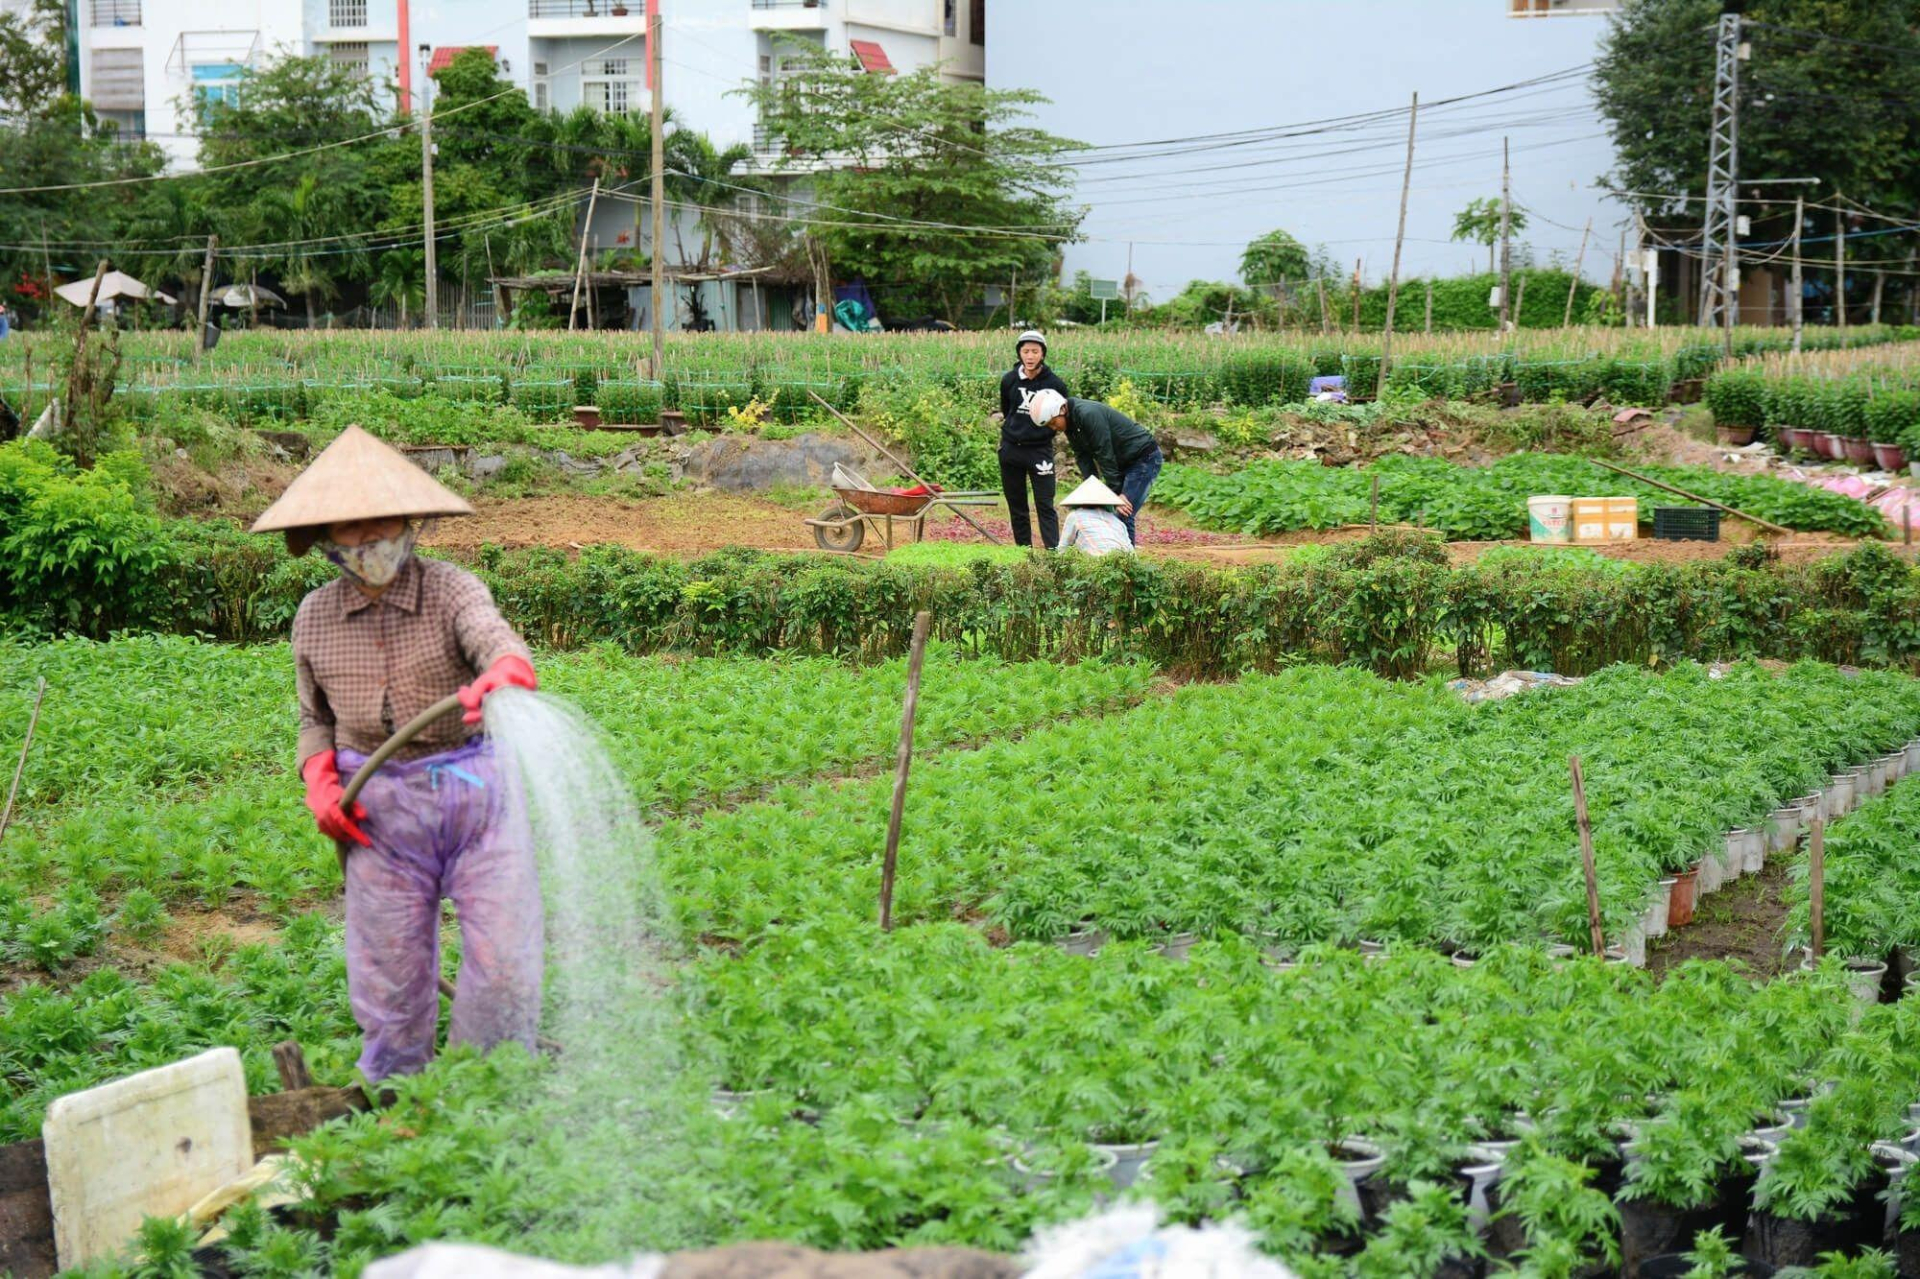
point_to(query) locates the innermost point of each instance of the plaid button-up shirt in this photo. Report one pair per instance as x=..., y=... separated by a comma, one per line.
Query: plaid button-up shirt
x=363, y=667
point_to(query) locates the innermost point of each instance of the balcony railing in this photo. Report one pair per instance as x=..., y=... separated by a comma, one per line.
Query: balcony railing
x=789, y=4
x=346, y=13
x=116, y=13
x=586, y=9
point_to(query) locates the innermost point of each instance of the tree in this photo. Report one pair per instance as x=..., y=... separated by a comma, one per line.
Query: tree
x=399, y=280
x=1480, y=223
x=1274, y=259
x=931, y=191
x=33, y=57
x=63, y=143
x=1842, y=105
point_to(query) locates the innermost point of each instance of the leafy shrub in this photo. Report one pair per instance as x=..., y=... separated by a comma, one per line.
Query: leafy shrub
x=79, y=551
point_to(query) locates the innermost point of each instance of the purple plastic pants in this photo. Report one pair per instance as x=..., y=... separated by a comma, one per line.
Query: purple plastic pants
x=441, y=826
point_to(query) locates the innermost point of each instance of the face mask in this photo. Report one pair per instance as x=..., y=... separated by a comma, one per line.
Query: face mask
x=374, y=563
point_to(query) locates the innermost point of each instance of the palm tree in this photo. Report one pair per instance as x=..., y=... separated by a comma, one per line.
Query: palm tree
x=706, y=178
x=399, y=279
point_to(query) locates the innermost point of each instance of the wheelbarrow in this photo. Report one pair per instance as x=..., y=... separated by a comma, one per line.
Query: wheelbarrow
x=843, y=526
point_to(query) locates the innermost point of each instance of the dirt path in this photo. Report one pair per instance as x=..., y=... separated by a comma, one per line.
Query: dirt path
x=680, y=524
x=1741, y=922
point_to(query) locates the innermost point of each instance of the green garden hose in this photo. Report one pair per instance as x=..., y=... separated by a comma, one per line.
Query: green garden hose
x=407, y=732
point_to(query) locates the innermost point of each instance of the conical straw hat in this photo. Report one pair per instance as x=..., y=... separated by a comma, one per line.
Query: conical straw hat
x=1092, y=493
x=357, y=477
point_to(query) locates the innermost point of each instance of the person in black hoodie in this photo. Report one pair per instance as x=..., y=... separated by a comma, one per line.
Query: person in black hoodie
x=1026, y=448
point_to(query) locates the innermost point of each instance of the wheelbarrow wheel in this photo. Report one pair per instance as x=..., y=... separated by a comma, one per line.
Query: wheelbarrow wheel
x=846, y=537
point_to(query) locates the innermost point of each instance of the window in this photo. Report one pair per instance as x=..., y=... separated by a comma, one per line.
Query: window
x=953, y=14
x=216, y=85
x=977, y=22
x=119, y=81
x=346, y=13
x=608, y=87
x=351, y=54
x=116, y=13
x=542, y=96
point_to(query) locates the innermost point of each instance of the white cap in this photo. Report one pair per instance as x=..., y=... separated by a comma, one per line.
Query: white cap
x=1091, y=493
x=1045, y=406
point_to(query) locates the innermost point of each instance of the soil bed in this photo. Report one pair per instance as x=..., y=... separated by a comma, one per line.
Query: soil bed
x=1741, y=922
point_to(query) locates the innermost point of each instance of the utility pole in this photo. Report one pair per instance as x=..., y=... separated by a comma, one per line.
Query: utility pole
x=1796, y=299
x=1718, y=302
x=206, y=290
x=426, y=193
x=1839, y=266
x=658, y=197
x=1506, y=228
x=1393, y=276
x=1580, y=260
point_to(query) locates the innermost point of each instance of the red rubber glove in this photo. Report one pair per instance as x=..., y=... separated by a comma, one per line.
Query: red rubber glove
x=511, y=669
x=324, y=792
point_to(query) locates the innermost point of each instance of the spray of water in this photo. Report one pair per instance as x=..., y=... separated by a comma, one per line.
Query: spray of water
x=610, y=1119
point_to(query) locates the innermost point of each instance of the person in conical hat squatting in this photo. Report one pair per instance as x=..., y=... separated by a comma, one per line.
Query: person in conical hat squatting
x=1092, y=525
x=1107, y=445
x=389, y=637
x=1026, y=447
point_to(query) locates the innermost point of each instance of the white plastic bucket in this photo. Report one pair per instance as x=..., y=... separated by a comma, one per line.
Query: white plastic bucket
x=1550, y=519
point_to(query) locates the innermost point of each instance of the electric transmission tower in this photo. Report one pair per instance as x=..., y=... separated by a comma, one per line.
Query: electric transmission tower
x=1719, y=264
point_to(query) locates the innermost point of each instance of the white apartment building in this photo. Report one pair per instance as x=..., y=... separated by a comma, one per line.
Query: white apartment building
x=148, y=64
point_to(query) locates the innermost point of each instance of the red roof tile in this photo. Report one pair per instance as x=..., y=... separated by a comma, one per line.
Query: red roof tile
x=444, y=55
x=872, y=57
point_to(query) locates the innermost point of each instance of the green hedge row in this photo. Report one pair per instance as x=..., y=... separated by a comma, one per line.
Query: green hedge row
x=1370, y=604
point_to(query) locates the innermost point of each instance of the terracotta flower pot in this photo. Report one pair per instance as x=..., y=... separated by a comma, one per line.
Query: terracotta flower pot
x=1734, y=435
x=1831, y=446
x=1890, y=457
x=1859, y=450
x=1680, y=901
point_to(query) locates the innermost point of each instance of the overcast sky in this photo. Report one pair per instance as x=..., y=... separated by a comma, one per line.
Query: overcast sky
x=1130, y=71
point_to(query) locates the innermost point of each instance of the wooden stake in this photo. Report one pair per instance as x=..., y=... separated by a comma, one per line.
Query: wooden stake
x=292, y=1064
x=1373, y=509
x=1906, y=525
x=1399, y=236
x=1326, y=315
x=33, y=721
x=1693, y=497
x=1429, y=304
x=902, y=762
x=1356, y=293
x=1598, y=932
x=1817, y=885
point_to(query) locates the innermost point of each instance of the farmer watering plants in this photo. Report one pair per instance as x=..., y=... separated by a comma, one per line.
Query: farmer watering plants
x=373, y=649
x=1026, y=447
x=1107, y=445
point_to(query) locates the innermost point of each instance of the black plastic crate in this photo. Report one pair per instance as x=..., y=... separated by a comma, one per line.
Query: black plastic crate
x=1686, y=523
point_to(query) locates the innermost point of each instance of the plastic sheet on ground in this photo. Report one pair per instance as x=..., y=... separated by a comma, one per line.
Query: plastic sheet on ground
x=1507, y=683
x=1121, y=1243
x=1878, y=489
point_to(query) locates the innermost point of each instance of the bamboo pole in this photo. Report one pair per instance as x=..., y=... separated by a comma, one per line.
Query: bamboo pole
x=1596, y=929
x=1399, y=237
x=26, y=744
x=1694, y=497
x=1580, y=260
x=580, y=266
x=903, y=761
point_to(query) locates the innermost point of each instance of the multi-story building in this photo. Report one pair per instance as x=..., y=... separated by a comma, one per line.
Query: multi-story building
x=150, y=64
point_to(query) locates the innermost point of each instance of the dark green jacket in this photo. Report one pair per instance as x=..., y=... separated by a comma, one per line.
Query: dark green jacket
x=1105, y=441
